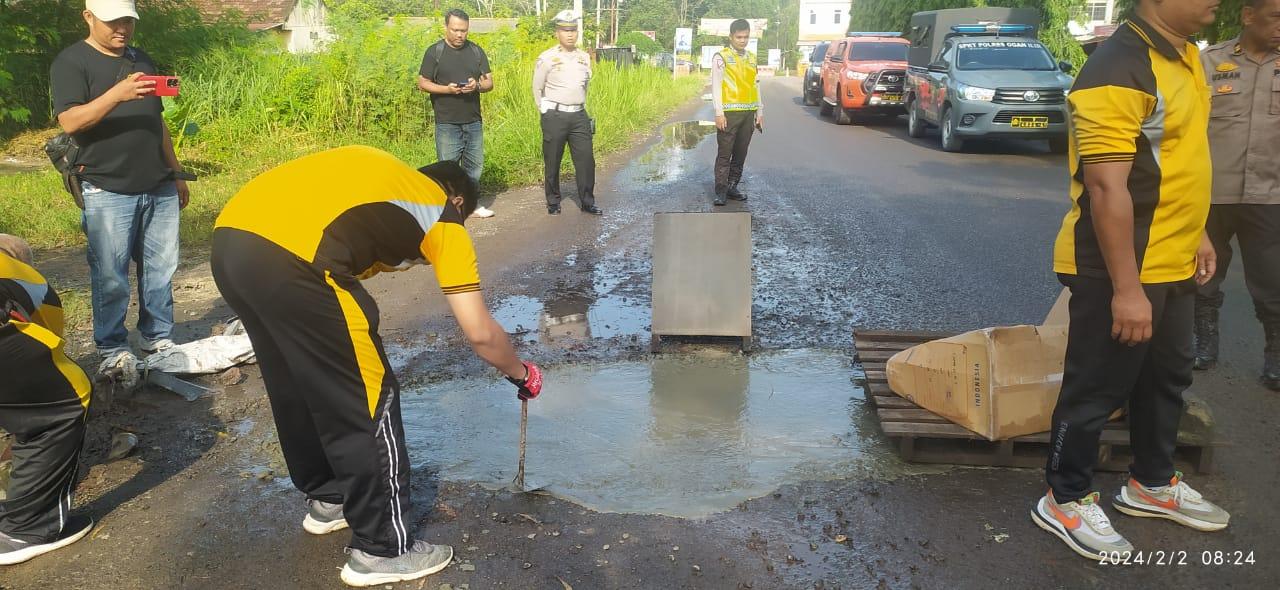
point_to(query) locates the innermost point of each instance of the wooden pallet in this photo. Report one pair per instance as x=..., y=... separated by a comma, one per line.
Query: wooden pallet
x=925, y=437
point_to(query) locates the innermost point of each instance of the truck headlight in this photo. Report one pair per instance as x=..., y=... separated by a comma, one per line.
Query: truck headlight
x=976, y=93
x=852, y=75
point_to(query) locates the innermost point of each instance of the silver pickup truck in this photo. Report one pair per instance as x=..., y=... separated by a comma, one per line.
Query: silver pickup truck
x=987, y=80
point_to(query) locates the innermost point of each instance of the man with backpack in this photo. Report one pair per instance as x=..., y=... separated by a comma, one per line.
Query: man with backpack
x=454, y=72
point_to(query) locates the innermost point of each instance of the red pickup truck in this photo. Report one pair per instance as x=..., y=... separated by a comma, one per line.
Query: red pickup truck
x=864, y=73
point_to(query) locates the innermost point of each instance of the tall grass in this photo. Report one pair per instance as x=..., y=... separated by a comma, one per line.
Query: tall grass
x=254, y=107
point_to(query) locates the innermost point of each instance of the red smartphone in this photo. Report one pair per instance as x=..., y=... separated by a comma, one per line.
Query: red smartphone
x=165, y=85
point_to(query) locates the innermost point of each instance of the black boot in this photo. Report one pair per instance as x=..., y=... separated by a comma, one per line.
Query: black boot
x=1271, y=358
x=1206, y=337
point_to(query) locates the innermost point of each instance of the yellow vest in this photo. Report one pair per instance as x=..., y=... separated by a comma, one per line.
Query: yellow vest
x=738, y=89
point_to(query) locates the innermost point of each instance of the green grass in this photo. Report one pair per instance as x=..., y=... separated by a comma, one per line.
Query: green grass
x=255, y=109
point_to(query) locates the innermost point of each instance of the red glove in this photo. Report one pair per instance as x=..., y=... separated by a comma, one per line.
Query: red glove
x=529, y=387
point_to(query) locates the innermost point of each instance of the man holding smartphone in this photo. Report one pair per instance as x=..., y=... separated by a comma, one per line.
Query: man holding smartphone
x=127, y=164
x=454, y=72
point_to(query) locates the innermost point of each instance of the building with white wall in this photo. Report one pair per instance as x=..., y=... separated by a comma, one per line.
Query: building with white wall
x=821, y=20
x=1097, y=14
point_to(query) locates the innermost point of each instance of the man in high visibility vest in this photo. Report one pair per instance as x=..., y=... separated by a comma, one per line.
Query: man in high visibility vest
x=735, y=94
x=44, y=400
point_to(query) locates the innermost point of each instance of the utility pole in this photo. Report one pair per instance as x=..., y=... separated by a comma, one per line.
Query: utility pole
x=577, y=8
x=597, y=24
x=614, y=40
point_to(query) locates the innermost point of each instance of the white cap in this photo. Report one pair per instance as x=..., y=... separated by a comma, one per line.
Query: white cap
x=109, y=10
x=566, y=18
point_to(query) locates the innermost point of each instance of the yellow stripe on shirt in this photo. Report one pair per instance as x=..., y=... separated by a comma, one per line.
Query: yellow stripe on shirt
x=369, y=361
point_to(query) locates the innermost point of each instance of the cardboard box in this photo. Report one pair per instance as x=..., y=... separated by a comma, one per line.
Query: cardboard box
x=998, y=382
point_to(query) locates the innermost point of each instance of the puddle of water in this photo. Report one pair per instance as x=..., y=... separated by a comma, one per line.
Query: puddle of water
x=579, y=307
x=681, y=435
x=666, y=160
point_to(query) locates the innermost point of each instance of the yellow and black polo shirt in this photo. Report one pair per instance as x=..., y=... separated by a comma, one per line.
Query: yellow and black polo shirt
x=26, y=297
x=33, y=314
x=357, y=211
x=1138, y=100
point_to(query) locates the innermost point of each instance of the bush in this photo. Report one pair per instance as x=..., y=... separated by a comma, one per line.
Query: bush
x=33, y=32
x=643, y=44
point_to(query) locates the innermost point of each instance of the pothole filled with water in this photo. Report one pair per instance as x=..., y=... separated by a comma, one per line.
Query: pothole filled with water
x=602, y=303
x=683, y=435
x=667, y=160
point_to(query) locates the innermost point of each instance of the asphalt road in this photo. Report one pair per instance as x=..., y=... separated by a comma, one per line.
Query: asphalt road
x=852, y=226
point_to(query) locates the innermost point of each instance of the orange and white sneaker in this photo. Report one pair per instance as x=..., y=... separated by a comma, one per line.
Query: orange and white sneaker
x=1176, y=502
x=1082, y=525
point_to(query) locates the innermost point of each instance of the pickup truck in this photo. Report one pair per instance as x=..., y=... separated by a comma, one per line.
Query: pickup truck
x=989, y=80
x=864, y=73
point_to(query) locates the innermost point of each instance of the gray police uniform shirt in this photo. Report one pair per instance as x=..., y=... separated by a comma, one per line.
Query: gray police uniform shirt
x=561, y=77
x=1244, y=124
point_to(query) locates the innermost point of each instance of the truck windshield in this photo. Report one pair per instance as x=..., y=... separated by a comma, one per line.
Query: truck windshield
x=878, y=52
x=819, y=53
x=1003, y=55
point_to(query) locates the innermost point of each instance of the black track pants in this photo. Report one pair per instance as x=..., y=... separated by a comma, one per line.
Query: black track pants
x=1257, y=228
x=335, y=400
x=731, y=149
x=575, y=129
x=44, y=398
x=1102, y=375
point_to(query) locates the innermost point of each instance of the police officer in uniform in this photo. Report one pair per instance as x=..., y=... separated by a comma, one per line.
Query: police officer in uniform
x=560, y=81
x=735, y=96
x=1244, y=136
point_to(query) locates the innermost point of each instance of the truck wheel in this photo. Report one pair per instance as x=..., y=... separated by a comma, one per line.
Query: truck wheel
x=808, y=98
x=824, y=107
x=843, y=116
x=915, y=126
x=950, y=142
x=1058, y=145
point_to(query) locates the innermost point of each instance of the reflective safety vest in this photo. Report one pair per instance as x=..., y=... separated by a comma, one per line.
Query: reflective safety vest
x=738, y=90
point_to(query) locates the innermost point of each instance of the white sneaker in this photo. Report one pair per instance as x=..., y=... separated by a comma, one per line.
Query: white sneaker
x=13, y=551
x=150, y=346
x=323, y=518
x=1082, y=525
x=1177, y=502
x=482, y=212
x=422, y=560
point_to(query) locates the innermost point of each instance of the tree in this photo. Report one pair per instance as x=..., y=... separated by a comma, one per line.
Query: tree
x=1225, y=27
x=643, y=44
x=652, y=15
x=872, y=15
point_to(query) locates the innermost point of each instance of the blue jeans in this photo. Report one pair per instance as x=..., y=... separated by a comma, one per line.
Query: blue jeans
x=141, y=228
x=462, y=143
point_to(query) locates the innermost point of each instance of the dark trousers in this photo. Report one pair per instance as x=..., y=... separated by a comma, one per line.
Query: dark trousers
x=575, y=129
x=44, y=398
x=731, y=149
x=1102, y=375
x=1257, y=228
x=335, y=400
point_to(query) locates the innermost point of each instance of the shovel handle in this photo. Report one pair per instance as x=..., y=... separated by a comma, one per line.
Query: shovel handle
x=524, y=423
